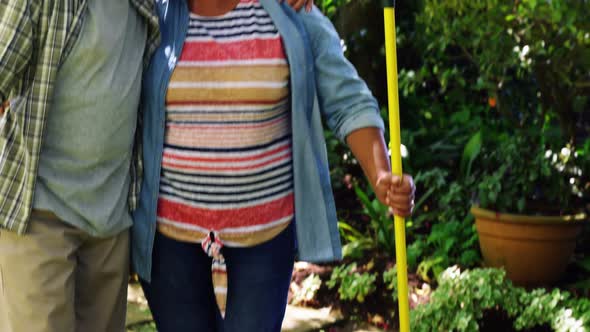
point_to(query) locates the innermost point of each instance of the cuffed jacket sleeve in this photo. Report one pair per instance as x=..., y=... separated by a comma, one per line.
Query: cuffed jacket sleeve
x=346, y=102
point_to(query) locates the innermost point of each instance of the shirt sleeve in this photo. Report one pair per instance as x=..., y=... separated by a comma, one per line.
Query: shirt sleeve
x=16, y=42
x=346, y=102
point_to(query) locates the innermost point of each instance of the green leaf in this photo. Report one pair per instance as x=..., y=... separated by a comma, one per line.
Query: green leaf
x=470, y=152
x=346, y=227
x=366, y=202
x=461, y=116
x=356, y=249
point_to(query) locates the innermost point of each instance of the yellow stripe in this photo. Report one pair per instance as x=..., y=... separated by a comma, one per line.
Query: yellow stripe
x=276, y=73
x=252, y=239
x=230, y=95
x=219, y=280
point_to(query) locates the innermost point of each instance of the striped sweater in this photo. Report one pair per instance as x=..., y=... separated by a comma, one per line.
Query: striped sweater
x=227, y=168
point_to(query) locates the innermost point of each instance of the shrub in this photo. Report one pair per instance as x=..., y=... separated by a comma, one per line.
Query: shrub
x=462, y=299
x=352, y=285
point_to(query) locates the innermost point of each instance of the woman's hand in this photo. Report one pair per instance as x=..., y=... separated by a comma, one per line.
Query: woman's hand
x=396, y=192
x=298, y=4
x=368, y=146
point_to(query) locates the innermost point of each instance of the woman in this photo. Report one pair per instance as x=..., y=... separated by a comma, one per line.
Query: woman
x=236, y=178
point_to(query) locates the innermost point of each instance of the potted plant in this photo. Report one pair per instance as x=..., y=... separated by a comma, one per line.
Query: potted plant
x=530, y=204
x=531, y=164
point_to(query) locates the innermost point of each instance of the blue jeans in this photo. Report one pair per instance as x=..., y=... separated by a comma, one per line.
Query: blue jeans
x=181, y=295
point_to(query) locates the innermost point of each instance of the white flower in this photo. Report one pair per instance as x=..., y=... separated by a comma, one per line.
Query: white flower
x=565, y=322
x=343, y=45
x=548, y=154
x=565, y=152
x=404, y=151
x=452, y=272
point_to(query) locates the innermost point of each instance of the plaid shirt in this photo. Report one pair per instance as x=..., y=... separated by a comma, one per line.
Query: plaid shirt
x=35, y=38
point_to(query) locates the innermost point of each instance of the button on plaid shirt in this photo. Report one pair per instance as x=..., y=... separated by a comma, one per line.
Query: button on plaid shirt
x=35, y=38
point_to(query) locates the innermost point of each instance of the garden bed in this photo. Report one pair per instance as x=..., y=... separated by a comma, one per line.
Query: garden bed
x=379, y=308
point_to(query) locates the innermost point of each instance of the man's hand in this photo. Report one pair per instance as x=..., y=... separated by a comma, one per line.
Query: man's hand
x=298, y=4
x=396, y=192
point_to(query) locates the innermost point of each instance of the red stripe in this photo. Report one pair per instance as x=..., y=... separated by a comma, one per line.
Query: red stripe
x=217, y=168
x=222, y=219
x=168, y=154
x=238, y=50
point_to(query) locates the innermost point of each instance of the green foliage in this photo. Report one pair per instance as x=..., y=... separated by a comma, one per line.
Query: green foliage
x=356, y=243
x=523, y=174
x=530, y=57
x=451, y=238
x=379, y=233
x=470, y=152
x=382, y=230
x=329, y=7
x=462, y=298
x=486, y=89
x=433, y=181
x=147, y=327
x=352, y=285
x=390, y=280
x=450, y=242
x=511, y=68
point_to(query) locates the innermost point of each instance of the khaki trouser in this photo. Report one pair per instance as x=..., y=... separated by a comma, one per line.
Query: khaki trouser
x=57, y=278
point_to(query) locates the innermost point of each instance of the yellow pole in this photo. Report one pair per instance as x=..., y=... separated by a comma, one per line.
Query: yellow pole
x=396, y=162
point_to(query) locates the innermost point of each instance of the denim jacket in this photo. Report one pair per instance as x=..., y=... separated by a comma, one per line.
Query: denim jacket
x=323, y=85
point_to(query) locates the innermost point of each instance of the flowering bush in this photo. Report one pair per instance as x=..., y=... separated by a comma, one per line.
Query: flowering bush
x=463, y=299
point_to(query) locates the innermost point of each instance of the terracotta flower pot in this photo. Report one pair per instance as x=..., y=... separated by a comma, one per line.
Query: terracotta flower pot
x=534, y=250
